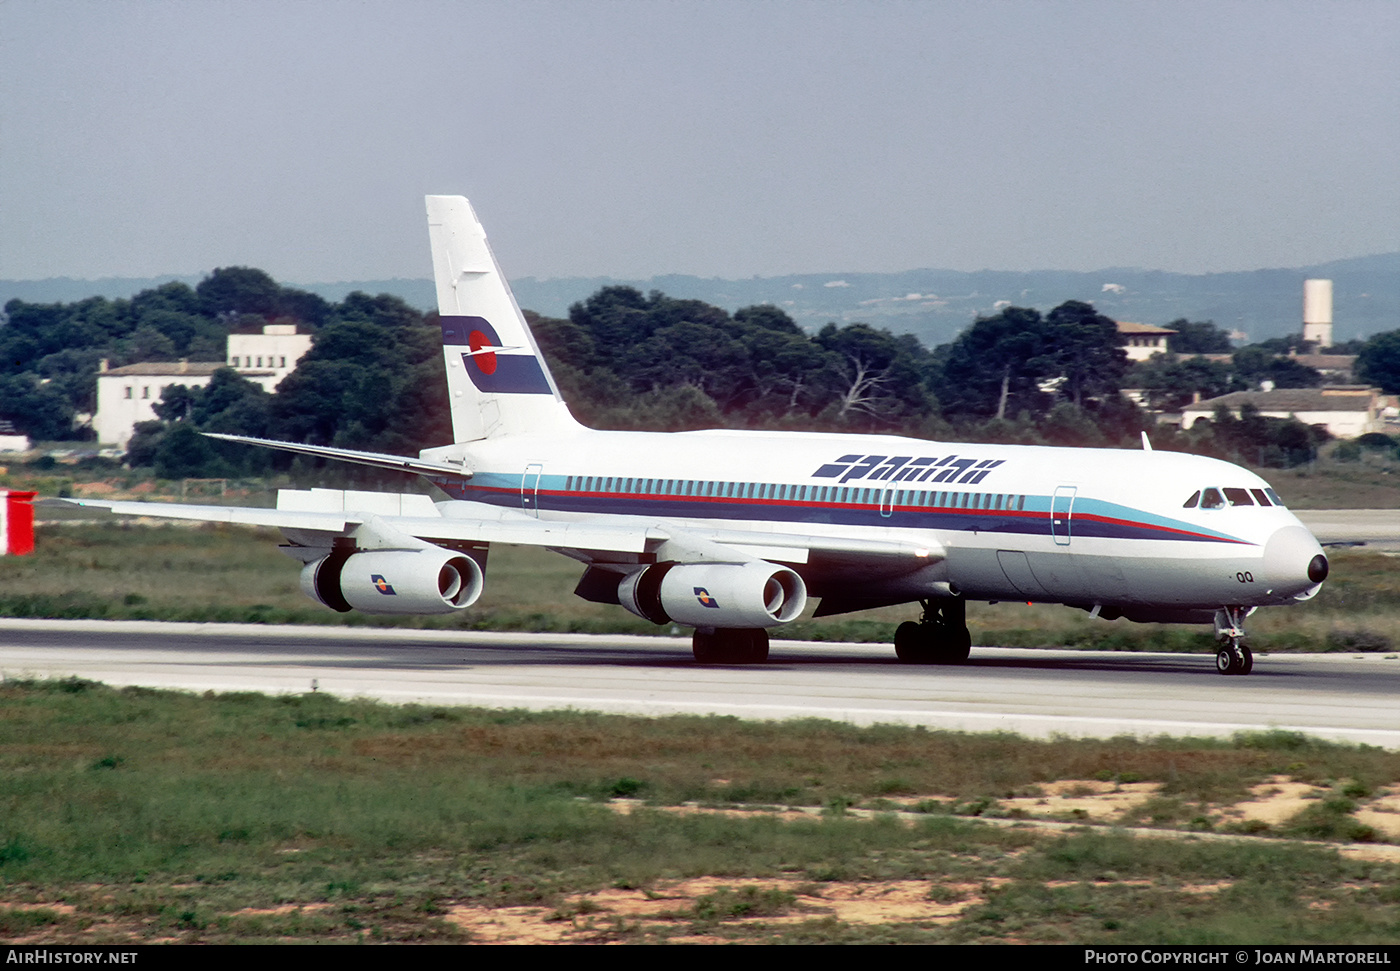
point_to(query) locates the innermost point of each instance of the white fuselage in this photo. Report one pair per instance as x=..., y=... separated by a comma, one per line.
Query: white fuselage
x=1065, y=525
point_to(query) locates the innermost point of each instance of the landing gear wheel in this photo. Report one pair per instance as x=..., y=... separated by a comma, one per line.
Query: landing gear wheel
x=1234, y=659
x=957, y=645
x=729, y=646
x=756, y=651
x=941, y=637
x=912, y=645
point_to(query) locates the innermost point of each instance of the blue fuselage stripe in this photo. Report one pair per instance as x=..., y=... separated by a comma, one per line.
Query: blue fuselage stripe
x=1030, y=521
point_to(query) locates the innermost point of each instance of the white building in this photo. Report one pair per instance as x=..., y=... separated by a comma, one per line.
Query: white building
x=1345, y=410
x=1143, y=340
x=11, y=440
x=127, y=395
x=276, y=349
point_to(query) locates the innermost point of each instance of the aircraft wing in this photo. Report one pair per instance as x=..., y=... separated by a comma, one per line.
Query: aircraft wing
x=325, y=514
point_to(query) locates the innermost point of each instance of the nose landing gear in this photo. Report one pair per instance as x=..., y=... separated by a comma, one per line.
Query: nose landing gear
x=939, y=637
x=1234, y=656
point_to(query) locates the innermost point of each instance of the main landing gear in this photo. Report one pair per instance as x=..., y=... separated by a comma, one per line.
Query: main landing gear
x=940, y=636
x=1234, y=656
x=721, y=645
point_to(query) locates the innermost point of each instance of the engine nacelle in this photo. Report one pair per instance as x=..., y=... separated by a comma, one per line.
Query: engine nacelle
x=727, y=595
x=428, y=581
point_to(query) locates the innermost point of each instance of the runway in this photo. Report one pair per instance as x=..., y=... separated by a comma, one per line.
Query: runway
x=1034, y=693
x=1376, y=529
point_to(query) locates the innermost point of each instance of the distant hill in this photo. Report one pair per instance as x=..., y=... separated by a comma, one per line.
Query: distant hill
x=932, y=304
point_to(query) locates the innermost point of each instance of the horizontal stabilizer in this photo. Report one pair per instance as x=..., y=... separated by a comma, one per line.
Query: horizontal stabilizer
x=382, y=460
x=328, y=522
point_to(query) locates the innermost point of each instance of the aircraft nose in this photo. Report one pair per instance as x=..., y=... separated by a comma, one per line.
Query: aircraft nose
x=1293, y=561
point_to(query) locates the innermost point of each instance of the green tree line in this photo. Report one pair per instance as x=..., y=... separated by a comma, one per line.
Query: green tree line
x=624, y=359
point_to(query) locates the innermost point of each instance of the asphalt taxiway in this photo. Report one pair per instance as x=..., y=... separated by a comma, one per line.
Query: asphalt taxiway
x=1037, y=693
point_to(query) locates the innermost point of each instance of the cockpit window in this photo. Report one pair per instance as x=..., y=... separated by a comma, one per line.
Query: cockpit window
x=1212, y=499
x=1259, y=495
x=1274, y=496
x=1238, y=497
x=1191, y=503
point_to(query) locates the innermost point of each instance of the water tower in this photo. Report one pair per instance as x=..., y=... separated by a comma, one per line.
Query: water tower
x=1317, y=312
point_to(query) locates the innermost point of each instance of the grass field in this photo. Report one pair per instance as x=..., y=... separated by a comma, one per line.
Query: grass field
x=134, y=815
x=123, y=570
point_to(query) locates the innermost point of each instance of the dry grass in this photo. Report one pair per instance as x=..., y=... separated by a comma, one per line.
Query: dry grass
x=138, y=815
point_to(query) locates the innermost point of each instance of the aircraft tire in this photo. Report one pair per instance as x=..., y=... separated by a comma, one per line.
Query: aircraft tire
x=757, y=647
x=705, y=646
x=729, y=646
x=955, y=645
x=1234, y=659
x=912, y=643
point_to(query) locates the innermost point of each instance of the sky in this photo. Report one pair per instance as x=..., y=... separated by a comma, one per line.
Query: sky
x=720, y=139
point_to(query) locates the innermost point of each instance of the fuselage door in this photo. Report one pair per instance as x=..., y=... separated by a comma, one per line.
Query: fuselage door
x=1061, y=514
x=530, y=489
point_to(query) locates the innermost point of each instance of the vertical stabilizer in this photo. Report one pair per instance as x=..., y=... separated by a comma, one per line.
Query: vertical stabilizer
x=498, y=382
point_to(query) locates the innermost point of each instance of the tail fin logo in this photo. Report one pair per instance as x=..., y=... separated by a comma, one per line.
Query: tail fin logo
x=490, y=364
x=483, y=353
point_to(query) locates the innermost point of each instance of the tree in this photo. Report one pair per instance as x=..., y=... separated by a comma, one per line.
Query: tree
x=1171, y=384
x=994, y=367
x=303, y=307
x=39, y=410
x=386, y=310
x=1070, y=425
x=1255, y=363
x=228, y=403
x=373, y=379
x=1378, y=362
x=173, y=297
x=238, y=290
x=1198, y=338
x=345, y=382
x=1273, y=442
x=563, y=342
x=1086, y=348
x=183, y=453
x=787, y=373
x=145, y=344
x=1005, y=364
x=875, y=376
x=768, y=317
x=613, y=317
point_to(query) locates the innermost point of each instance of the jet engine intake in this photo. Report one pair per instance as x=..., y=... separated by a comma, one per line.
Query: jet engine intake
x=723, y=595
x=429, y=581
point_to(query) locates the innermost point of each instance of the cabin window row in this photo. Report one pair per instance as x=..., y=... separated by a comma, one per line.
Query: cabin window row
x=794, y=493
x=1213, y=498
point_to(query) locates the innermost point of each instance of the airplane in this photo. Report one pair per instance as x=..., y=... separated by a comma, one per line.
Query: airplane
x=731, y=532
